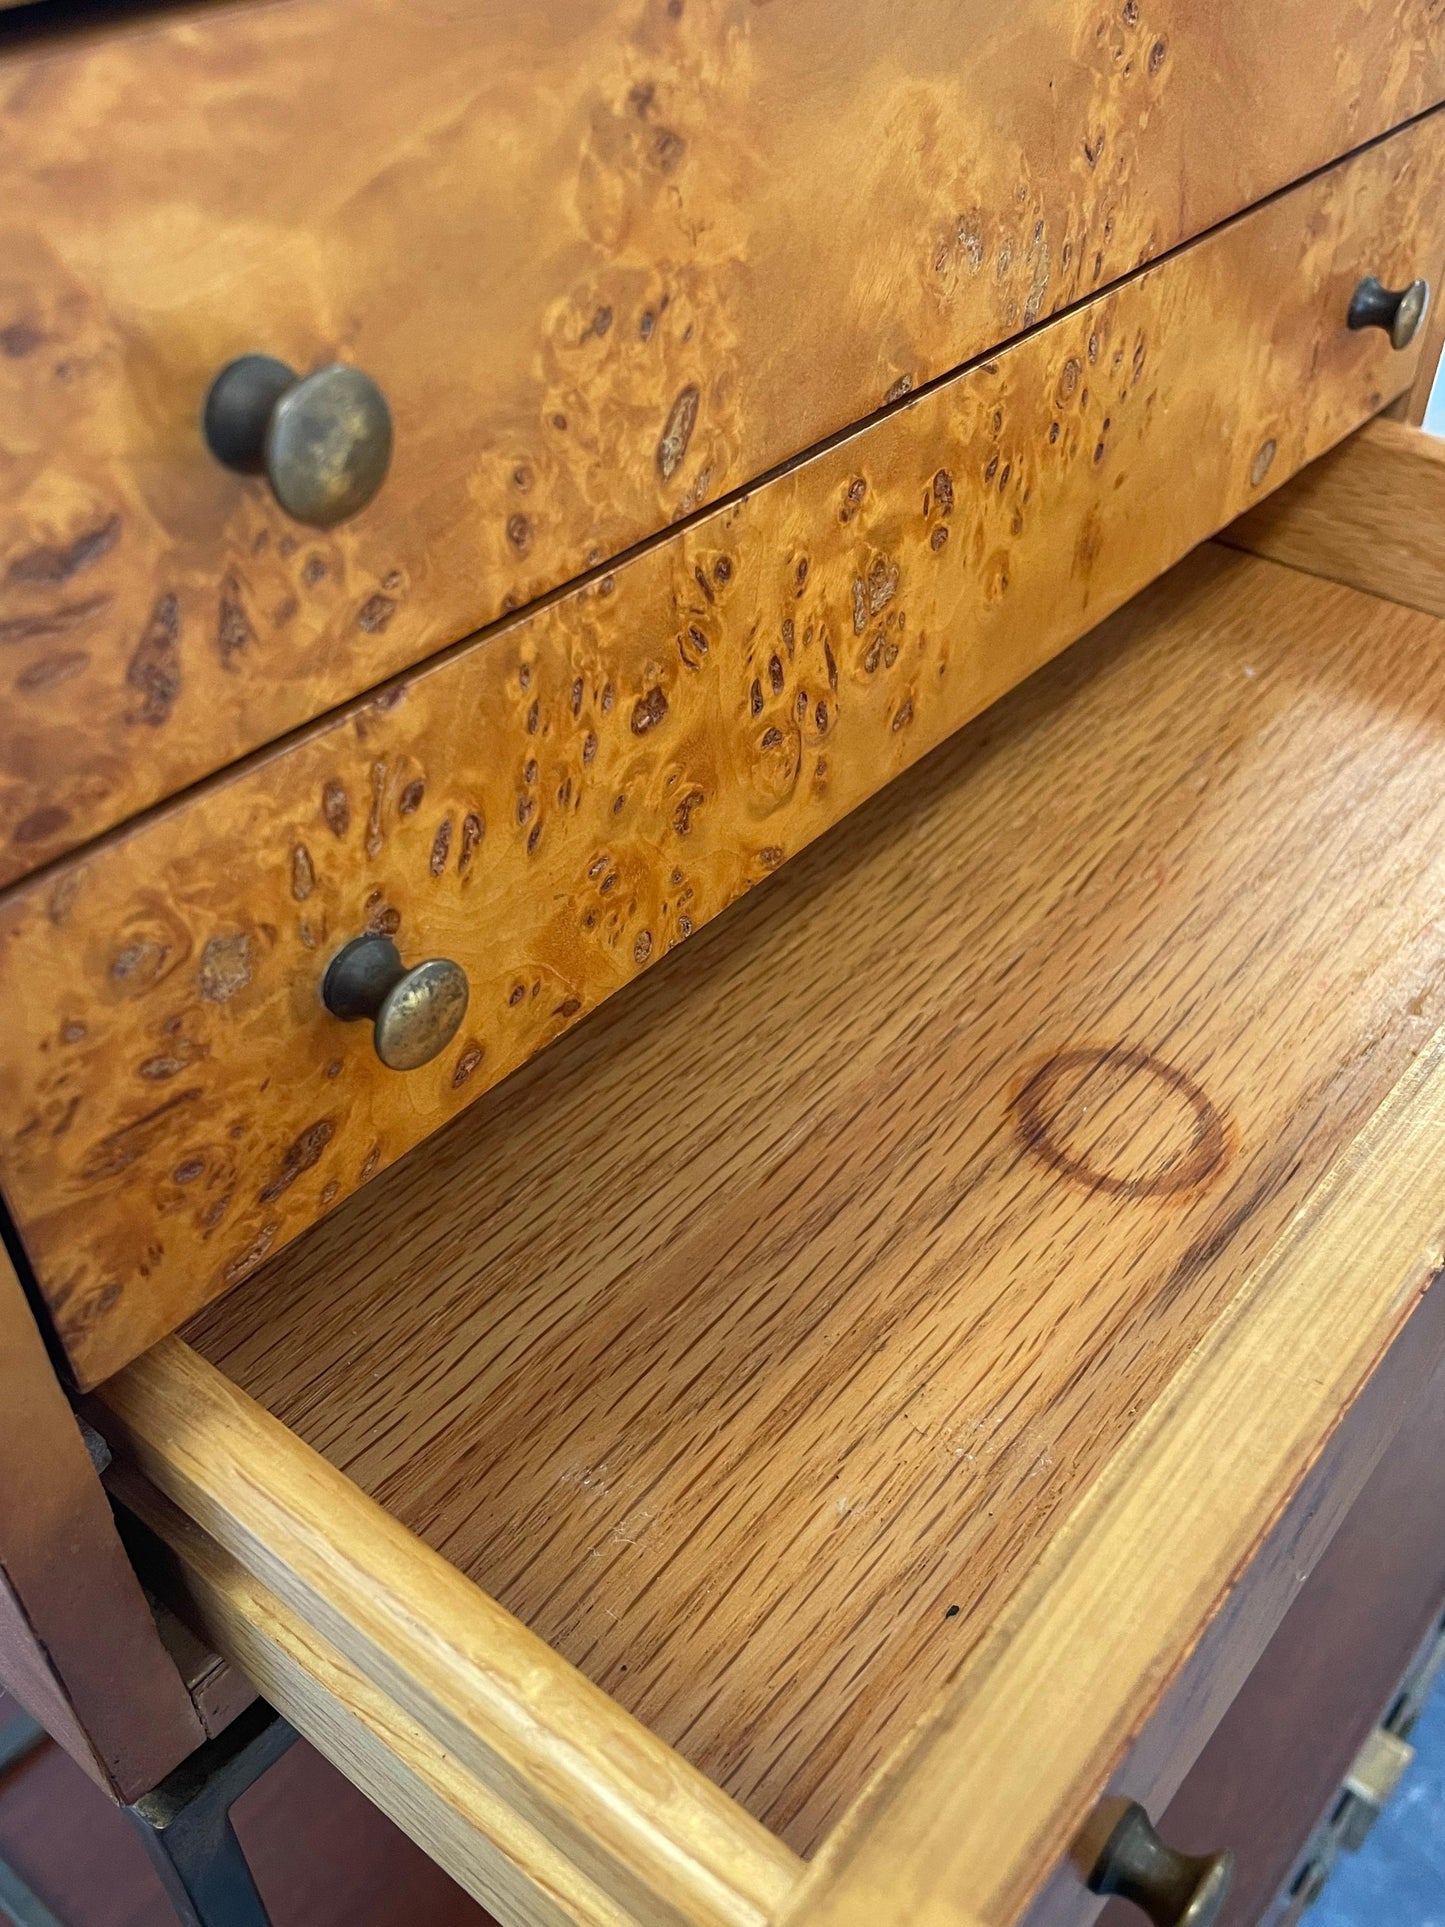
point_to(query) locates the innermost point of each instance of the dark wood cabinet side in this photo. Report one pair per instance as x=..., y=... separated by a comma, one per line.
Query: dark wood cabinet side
x=78, y=1646
x=1275, y=1762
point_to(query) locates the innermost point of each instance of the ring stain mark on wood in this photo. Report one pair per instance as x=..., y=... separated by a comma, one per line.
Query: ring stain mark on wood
x=1092, y=1112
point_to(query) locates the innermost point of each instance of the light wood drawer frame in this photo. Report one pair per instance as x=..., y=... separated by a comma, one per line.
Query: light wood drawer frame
x=552, y=1805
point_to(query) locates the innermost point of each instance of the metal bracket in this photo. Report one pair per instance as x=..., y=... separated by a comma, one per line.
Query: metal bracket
x=185, y=1823
x=1372, y=1778
x=1376, y=1771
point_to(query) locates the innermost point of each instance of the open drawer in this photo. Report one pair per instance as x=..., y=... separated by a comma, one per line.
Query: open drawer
x=872, y=1390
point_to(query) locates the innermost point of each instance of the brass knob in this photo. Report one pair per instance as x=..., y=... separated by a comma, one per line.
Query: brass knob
x=415, y=1013
x=1173, y=1889
x=1400, y=315
x=322, y=441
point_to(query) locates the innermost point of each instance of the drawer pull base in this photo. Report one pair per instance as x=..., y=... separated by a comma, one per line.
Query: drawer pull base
x=1173, y=1889
x=1399, y=314
x=415, y=1013
x=323, y=442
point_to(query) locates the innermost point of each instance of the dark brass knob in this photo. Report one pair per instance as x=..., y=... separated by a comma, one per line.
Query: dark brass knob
x=322, y=441
x=1400, y=315
x=1173, y=1889
x=415, y=1013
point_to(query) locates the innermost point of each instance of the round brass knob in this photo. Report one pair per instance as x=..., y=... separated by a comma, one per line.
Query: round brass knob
x=415, y=1013
x=322, y=441
x=1173, y=1889
x=1399, y=314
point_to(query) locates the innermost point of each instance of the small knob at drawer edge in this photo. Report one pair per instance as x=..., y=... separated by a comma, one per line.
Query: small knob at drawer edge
x=415, y=1013
x=323, y=441
x=1399, y=313
x=1172, y=1889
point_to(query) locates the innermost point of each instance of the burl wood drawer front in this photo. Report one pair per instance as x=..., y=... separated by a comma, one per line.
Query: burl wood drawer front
x=606, y=259
x=556, y=806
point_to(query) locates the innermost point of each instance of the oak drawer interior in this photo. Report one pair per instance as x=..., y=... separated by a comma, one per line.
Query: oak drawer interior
x=753, y=1344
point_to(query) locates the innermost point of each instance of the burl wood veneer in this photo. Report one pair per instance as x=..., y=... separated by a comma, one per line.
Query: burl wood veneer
x=559, y=804
x=608, y=259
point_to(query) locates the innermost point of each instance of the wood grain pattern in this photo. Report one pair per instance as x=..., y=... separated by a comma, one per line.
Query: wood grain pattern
x=418, y=1780
x=1078, y=1661
x=593, y=1788
x=1371, y=513
x=78, y=1646
x=608, y=259
x=791, y=1301
x=561, y=804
